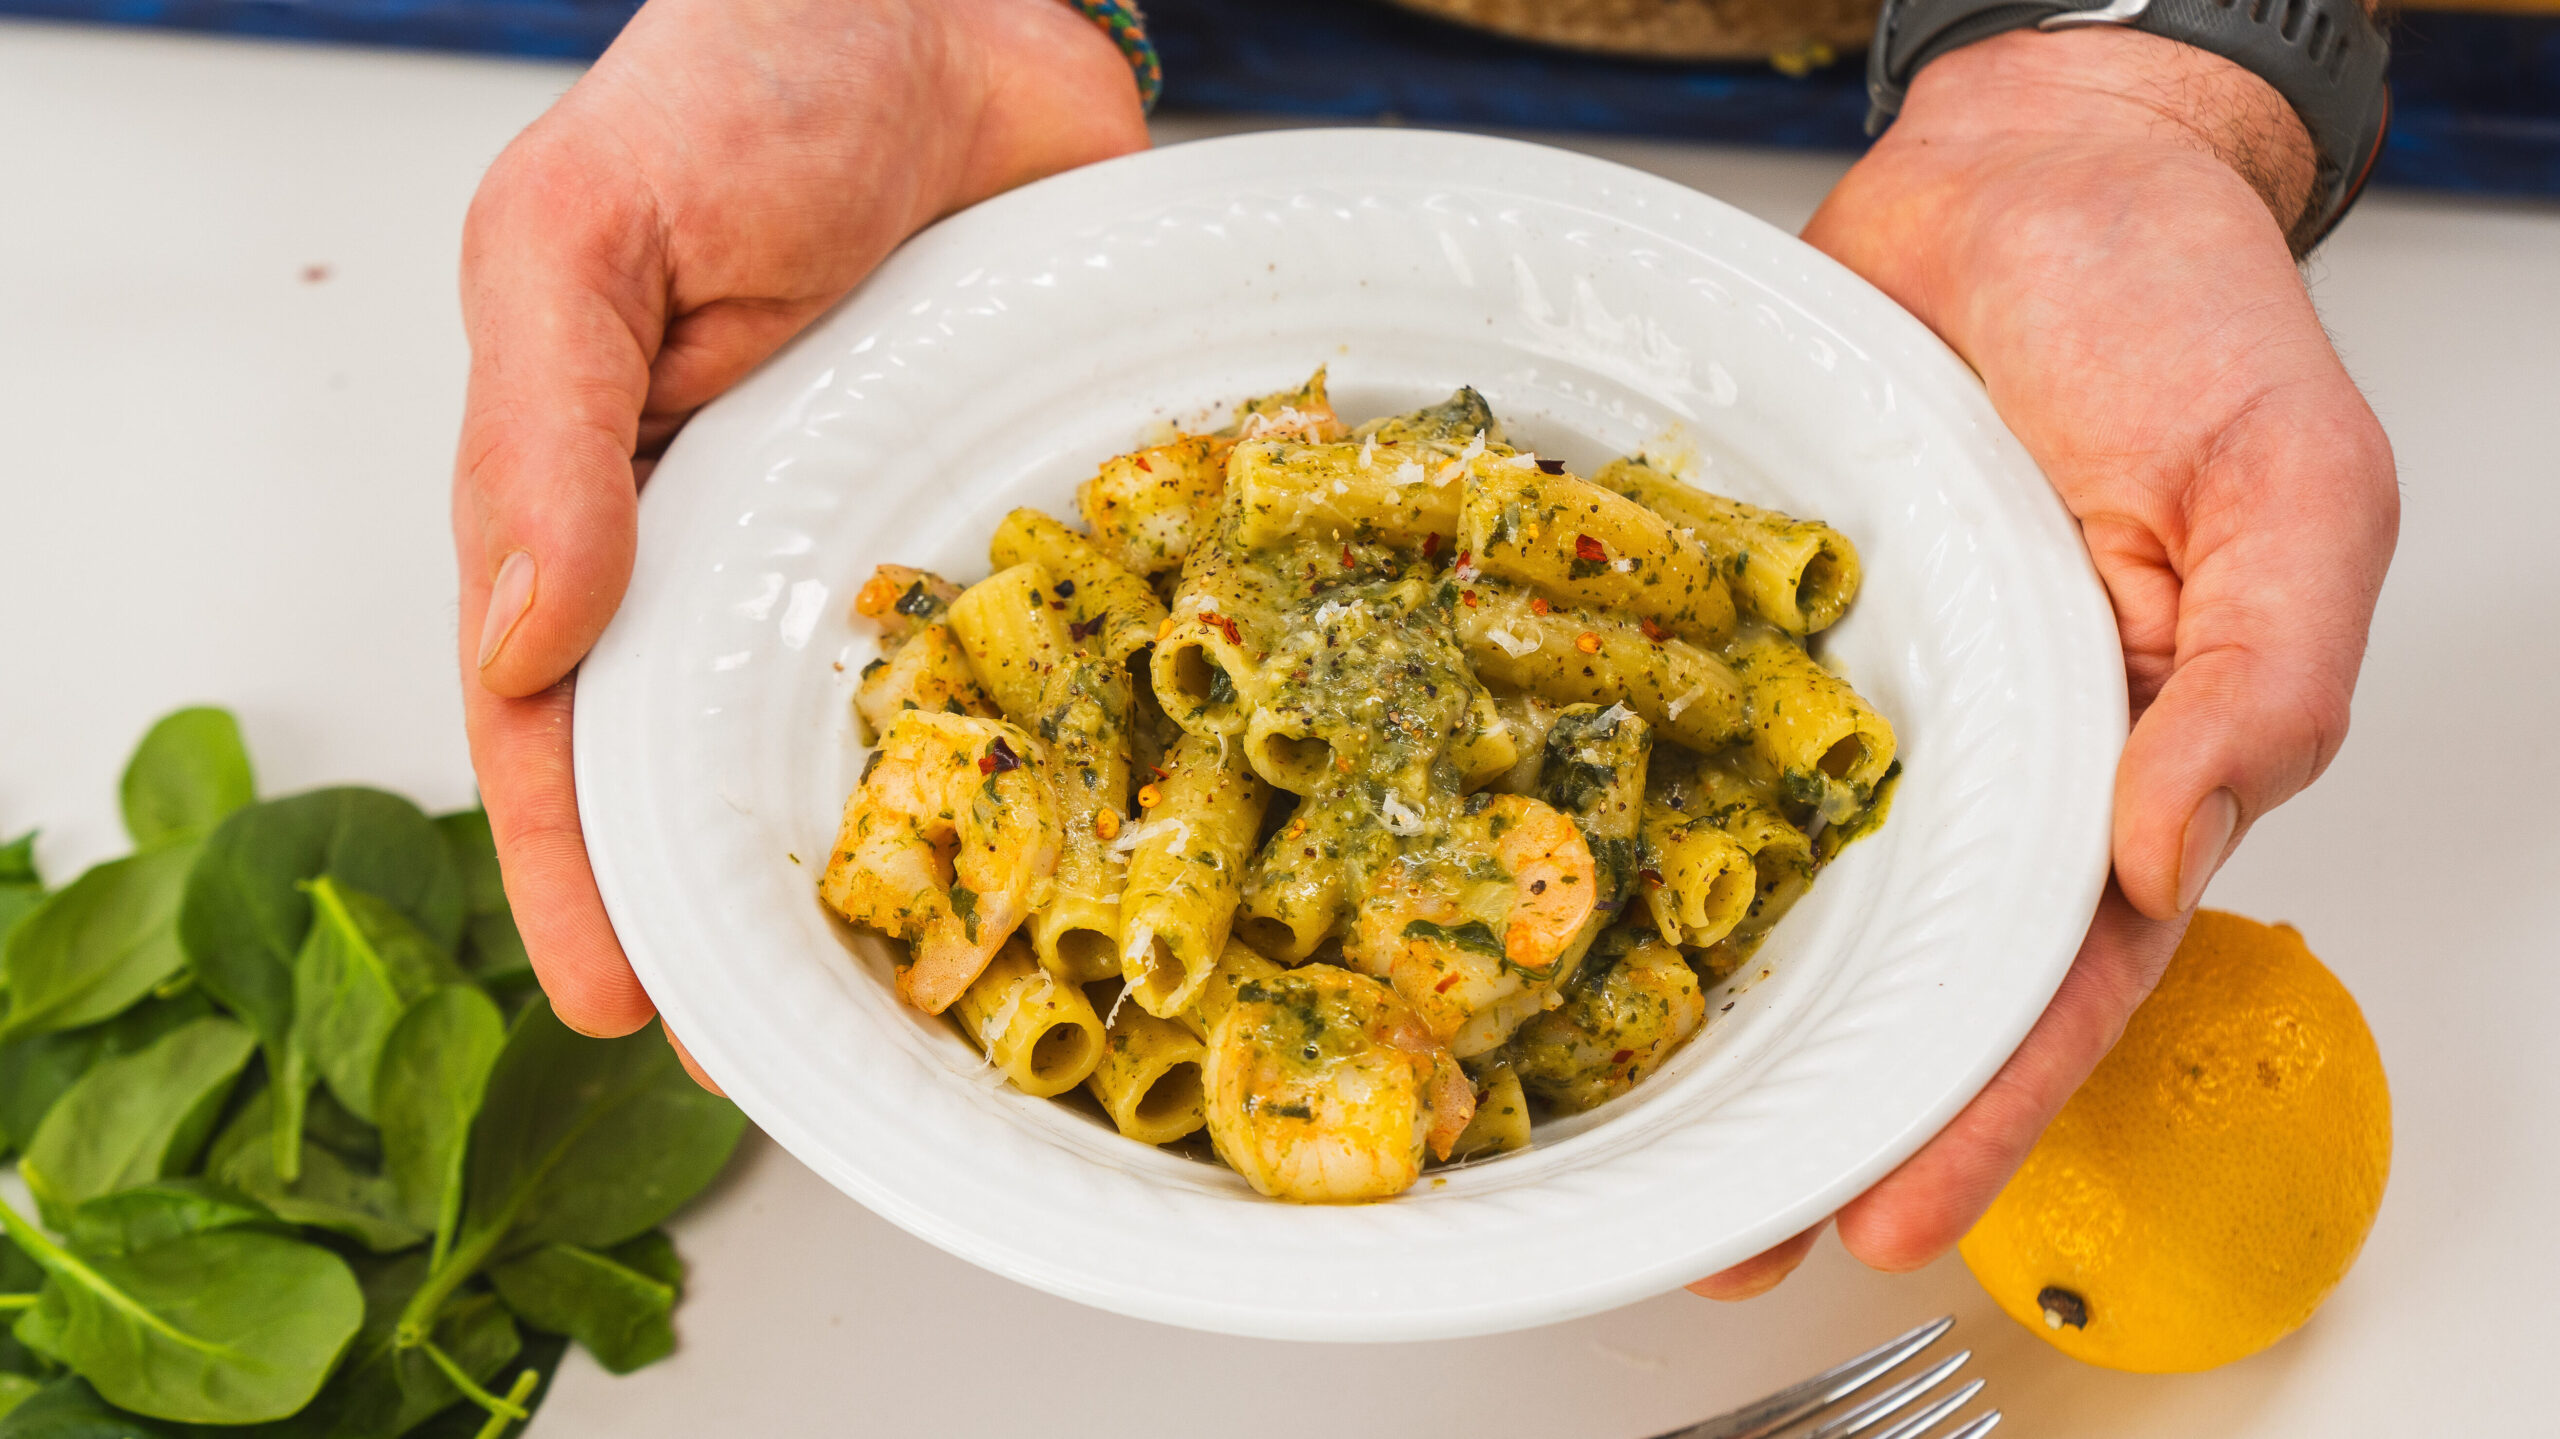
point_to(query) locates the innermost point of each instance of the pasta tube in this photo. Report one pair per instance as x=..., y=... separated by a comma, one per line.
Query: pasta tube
x=1078, y=700
x=1699, y=881
x=1149, y=1077
x=1293, y=898
x=1528, y=718
x=1579, y=544
x=1797, y=574
x=1575, y=657
x=1037, y=1029
x=1781, y=854
x=1501, y=1121
x=1239, y=965
x=1106, y=604
x=1827, y=746
x=1186, y=871
x=1388, y=493
x=1207, y=666
x=1148, y=508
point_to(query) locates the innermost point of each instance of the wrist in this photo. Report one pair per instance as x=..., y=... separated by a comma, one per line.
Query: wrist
x=2122, y=92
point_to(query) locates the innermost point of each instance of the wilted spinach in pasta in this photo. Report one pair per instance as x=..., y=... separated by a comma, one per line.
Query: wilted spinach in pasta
x=1347, y=793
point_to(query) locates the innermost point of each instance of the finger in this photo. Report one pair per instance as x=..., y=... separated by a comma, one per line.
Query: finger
x=2284, y=556
x=563, y=298
x=1761, y=1272
x=684, y=1056
x=520, y=748
x=1921, y=1209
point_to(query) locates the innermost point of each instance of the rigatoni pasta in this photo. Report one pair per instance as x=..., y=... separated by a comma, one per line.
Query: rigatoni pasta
x=1354, y=795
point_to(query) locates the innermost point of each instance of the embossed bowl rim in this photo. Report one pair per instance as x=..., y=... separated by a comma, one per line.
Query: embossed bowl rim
x=1000, y=353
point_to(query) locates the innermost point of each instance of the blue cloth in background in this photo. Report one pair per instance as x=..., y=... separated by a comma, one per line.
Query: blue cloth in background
x=2477, y=96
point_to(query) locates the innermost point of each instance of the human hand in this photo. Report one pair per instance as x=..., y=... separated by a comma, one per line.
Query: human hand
x=728, y=170
x=2097, y=222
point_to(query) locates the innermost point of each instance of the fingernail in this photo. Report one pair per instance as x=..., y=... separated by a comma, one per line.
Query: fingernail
x=509, y=597
x=2208, y=835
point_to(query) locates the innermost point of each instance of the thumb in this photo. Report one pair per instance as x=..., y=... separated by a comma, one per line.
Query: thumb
x=2288, y=535
x=563, y=299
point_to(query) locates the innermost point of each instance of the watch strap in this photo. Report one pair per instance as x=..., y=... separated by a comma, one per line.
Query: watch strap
x=2327, y=58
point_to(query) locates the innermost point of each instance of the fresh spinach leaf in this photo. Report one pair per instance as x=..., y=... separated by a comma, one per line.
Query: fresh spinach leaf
x=135, y=1118
x=245, y=915
x=434, y=1069
x=329, y=1190
x=230, y=1327
x=20, y=887
x=67, y=1408
x=382, y=1391
x=578, y=1141
x=16, y=1389
x=99, y=945
x=150, y=1214
x=619, y=1313
x=492, y=950
x=18, y=1275
x=36, y=1072
x=362, y=965
x=188, y=773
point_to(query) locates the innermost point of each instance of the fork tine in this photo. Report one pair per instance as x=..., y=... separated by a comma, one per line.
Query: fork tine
x=1978, y=1427
x=1875, y=1411
x=1927, y=1419
x=1838, y=1382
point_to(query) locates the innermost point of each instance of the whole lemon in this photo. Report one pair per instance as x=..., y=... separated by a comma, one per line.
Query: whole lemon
x=2200, y=1196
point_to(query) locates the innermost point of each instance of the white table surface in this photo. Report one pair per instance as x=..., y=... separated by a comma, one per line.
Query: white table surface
x=223, y=477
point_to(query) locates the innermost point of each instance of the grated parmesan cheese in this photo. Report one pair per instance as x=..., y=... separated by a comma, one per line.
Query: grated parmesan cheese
x=1692, y=697
x=1511, y=644
x=1401, y=818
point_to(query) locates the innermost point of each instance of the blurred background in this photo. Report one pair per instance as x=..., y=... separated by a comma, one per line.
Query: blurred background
x=230, y=370
x=2476, y=83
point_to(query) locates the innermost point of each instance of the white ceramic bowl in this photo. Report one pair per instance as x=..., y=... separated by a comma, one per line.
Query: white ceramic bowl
x=998, y=356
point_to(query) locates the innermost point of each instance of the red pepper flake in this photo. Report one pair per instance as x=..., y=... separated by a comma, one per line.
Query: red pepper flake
x=1085, y=629
x=1222, y=625
x=1464, y=556
x=1469, y=596
x=1347, y=562
x=1587, y=642
x=1652, y=631
x=1142, y=464
x=1443, y=986
x=1537, y=604
x=1159, y=771
x=1430, y=546
x=1551, y=467
x=1622, y=1056
x=999, y=757
x=1587, y=548
x=1652, y=878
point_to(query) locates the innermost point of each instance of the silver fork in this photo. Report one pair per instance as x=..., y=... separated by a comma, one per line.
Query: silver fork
x=1798, y=1403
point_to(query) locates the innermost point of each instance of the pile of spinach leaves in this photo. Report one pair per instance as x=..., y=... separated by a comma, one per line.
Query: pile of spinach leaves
x=310, y=1157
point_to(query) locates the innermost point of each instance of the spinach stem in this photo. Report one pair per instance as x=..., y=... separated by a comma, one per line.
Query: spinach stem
x=16, y=1301
x=176, y=985
x=497, y=1407
x=418, y=1316
x=526, y=1383
x=56, y=1260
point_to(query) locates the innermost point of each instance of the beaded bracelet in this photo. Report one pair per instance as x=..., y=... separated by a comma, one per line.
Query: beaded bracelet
x=1127, y=28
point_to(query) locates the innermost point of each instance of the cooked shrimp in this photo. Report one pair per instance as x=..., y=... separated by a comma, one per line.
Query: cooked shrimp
x=948, y=844
x=1470, y=924
x=1325, y=1089
x=1634, y=1003
x=928, y=672
x=1148, y=507
x=903, y=599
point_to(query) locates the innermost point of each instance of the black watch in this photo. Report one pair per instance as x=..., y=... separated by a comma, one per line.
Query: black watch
x=2325, y=57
